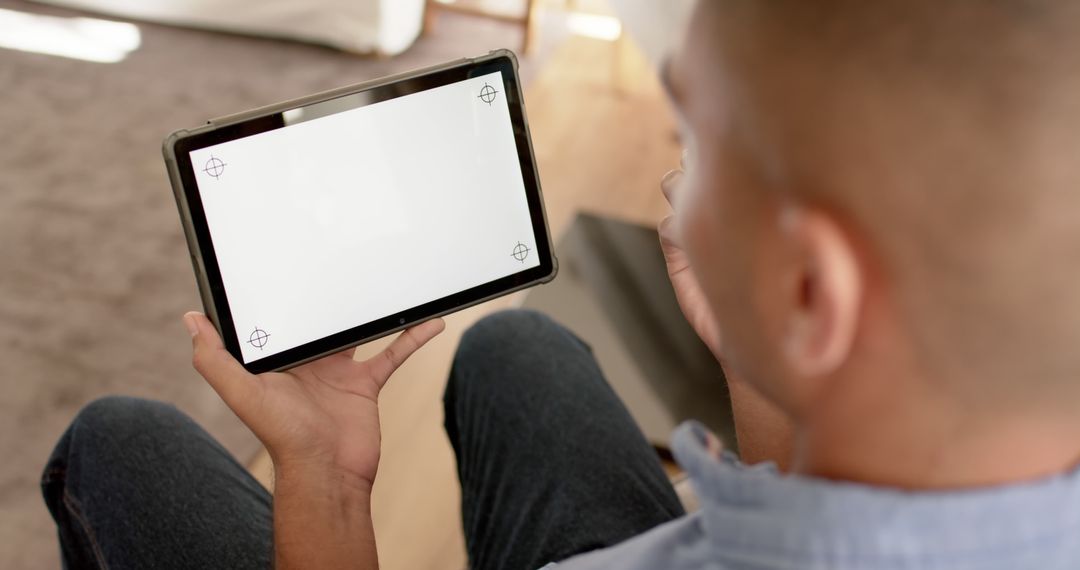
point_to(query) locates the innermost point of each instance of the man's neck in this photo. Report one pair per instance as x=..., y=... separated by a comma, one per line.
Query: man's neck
x=925, y=442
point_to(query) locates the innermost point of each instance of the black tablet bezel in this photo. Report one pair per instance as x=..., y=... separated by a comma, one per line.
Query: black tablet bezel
x=183, y=146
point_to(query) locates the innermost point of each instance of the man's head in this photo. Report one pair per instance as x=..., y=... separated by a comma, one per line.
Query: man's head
x=888, y=189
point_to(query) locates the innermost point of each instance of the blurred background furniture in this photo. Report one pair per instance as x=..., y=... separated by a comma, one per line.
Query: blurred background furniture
x=385, y=27
x=520, y=13
x=656, y=29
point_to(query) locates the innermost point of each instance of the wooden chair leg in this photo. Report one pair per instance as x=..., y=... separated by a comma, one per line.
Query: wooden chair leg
x=531, y=23
x=429, y=18
x=620, y=52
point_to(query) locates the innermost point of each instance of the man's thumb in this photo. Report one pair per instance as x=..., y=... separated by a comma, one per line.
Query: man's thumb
x=224, y=374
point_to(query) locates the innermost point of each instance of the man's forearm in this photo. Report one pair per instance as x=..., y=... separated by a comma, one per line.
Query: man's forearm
x=322, y=519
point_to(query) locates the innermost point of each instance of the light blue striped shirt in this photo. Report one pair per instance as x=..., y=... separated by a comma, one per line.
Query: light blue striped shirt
x=755, y=518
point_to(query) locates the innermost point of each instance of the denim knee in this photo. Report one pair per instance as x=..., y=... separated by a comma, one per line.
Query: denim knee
x=493, y=328
x=120, y=426
x=109, y=435
x=506, y=346
x=508, y=330
x=488, y=336
x=117, y=415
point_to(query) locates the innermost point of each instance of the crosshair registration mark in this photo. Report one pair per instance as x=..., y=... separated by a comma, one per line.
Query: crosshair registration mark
x=258, y=338
x=521, y=251
x=215, y=167
x=488, y=94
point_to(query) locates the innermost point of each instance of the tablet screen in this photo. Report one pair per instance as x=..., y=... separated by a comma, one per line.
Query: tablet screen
x=352, y=211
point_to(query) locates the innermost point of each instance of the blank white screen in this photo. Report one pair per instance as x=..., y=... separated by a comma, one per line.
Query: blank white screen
x=331, y=223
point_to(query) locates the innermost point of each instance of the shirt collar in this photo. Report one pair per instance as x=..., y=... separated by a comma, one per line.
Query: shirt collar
x=756, y=510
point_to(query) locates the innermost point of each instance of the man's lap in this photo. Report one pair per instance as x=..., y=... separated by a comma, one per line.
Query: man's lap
x=551, y=465
x=136, y=484
x=550, y=461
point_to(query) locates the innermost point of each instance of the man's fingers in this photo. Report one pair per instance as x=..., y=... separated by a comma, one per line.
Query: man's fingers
x=225, y=375
x=669, y=183
x=674, y=256
x=671, y=242
x=667, y=232
x=408, y=342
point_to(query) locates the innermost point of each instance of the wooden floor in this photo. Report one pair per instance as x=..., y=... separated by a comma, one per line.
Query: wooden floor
x=604, y=136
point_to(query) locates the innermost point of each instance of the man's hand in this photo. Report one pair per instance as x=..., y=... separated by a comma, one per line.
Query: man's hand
x=323, y=414
x=320, y=423
x=763, y=430
x=691, y=299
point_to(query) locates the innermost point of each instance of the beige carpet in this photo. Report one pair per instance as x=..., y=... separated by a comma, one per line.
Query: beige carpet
x=95, y=273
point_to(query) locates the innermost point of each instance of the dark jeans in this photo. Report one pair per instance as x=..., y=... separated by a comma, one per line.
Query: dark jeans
x=550, y=462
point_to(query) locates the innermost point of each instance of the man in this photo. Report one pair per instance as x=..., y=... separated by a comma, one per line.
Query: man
x=876, y=233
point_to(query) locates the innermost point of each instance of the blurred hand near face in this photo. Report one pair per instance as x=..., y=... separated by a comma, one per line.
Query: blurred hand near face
x=763, y=431
x=683, y=279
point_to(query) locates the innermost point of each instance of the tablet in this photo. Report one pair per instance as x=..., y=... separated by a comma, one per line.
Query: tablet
x=321, y=223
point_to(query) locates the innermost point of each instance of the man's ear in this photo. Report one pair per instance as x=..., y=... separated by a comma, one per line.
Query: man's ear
x=824, y=294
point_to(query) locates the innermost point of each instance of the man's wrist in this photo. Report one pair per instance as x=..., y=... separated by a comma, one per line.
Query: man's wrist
x=322, y=517
x=325, y=477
